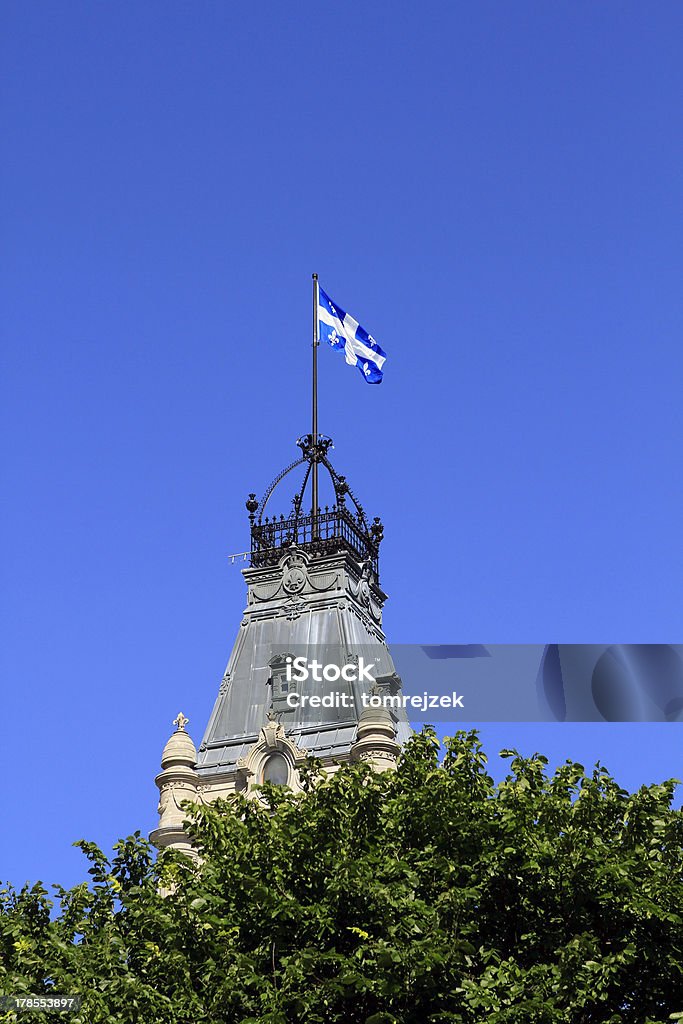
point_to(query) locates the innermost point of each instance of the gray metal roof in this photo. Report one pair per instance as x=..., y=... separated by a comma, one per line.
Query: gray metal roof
x=327, y=606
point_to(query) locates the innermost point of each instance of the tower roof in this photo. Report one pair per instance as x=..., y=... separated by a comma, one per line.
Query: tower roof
x=313, y=585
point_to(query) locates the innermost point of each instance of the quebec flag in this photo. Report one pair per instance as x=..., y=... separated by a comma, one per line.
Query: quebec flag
x=346, y=335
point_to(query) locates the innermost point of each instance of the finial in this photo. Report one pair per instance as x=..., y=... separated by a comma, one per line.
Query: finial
x=377, y=530
x=252, y=505
x=180, y=722
x=341, y=489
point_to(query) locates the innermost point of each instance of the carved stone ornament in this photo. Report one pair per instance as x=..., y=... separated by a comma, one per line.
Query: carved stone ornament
x=324, y=581
x=362, y=591
x=271, y=732
x=294, y=573
x=376, y=753
x=265, y=591
x=294, y=607
x=294, y=580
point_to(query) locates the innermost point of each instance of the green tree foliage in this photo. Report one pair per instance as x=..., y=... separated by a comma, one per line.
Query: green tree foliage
x=422, y=896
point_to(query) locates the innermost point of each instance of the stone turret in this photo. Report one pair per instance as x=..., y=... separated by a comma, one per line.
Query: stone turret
x=376, y=742
x=177, y=781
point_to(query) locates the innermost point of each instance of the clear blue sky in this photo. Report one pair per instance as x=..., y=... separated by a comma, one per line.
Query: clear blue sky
x=492, y=189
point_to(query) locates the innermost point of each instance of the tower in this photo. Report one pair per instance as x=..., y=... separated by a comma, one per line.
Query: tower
x=313, y=596
x=312, y=590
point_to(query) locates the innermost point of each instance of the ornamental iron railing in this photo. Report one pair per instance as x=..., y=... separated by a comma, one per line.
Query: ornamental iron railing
x=332, y=530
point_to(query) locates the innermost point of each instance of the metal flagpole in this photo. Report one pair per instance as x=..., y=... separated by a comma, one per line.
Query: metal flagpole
x=314, y=428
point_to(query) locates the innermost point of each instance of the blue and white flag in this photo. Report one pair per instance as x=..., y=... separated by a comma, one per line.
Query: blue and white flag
x=346, y=335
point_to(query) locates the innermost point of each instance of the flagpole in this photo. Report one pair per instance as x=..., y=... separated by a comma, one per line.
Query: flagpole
x=314, y=427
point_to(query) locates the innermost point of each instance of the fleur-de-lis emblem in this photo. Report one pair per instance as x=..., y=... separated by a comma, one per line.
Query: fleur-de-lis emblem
x=366, y=369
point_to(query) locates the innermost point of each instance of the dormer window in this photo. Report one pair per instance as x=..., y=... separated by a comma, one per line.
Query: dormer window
x=280, y=685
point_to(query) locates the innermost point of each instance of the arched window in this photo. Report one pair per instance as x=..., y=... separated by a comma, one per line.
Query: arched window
x=276, y=770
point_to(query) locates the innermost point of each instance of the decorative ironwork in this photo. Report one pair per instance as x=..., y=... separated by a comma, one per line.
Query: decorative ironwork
x=252, y=507
x=309, y=449
x=260, y=508
x=339, y=528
